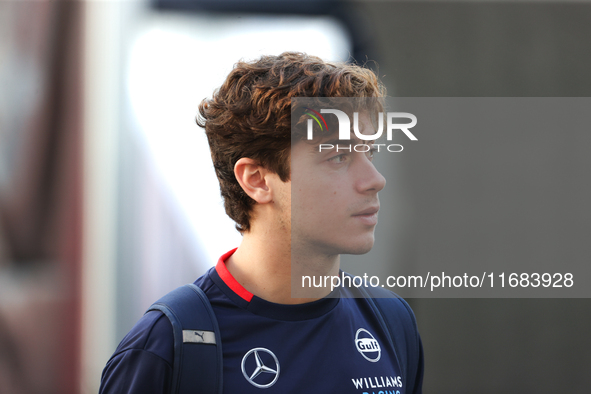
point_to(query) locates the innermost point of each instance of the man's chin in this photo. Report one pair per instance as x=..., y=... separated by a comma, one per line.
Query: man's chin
x=361, y=248
x=357, y=245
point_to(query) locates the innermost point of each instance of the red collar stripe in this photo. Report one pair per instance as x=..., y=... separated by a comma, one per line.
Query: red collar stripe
x=229, y=280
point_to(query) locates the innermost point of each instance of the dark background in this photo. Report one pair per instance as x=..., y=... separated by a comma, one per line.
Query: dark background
x=465, y=49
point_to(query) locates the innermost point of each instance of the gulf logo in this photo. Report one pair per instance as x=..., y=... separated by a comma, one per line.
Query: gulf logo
x=367, y=345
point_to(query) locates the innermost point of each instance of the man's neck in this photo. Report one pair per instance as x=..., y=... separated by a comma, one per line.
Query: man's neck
x=263, y=266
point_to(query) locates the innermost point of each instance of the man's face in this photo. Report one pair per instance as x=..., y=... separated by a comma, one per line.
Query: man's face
x=334, y=196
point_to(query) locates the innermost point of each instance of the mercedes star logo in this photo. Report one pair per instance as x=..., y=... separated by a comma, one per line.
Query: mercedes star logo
x=259, y=362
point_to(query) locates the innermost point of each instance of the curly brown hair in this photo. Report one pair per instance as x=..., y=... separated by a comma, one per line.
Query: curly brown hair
x=250, y=115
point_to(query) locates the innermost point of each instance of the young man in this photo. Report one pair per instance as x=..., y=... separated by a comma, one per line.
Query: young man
x=298, y=209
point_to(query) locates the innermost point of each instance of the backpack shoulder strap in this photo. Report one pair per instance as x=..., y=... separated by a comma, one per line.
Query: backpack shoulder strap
x=197, y=340
x=399, y=322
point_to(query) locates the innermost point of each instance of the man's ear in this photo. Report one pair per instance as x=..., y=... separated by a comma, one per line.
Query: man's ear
x=252, y=178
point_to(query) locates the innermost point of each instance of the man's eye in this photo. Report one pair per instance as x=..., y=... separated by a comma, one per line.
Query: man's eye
x=371, y=153
x=339, y=158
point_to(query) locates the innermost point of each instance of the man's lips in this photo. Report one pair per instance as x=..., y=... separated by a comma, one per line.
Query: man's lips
x=368, y=216
x=368, y=211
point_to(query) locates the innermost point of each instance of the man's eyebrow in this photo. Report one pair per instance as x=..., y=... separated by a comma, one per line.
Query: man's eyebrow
x=334, y=141
x=353, y=141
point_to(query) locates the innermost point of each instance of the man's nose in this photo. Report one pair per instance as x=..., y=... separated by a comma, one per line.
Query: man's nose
x=370, y=179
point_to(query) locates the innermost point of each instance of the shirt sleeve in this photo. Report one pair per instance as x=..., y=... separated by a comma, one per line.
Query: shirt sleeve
x=142, y=363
